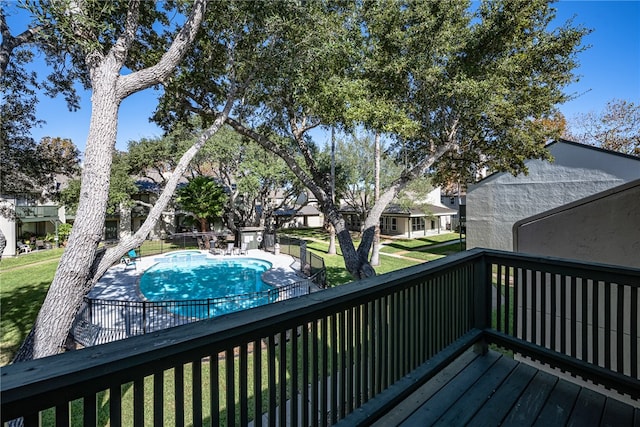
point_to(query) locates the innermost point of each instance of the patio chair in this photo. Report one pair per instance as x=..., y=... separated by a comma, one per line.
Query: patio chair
x=243, y=249
x=23, y=248
x=229, y=250
x=130, y=258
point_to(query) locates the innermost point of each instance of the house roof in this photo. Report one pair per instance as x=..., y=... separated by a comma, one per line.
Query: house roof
x=594, y=148
x=307, y=210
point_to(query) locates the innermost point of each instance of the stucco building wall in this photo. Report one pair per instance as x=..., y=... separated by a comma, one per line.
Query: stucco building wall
x=496, y=203
x=602, y=228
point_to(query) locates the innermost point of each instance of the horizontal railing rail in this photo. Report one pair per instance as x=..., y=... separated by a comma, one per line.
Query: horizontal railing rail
x=314, y=360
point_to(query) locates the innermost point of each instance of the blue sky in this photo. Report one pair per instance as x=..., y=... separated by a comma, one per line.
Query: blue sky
x=609, y=69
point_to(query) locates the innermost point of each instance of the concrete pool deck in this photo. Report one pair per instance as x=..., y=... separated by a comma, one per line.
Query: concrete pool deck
x=120, y=282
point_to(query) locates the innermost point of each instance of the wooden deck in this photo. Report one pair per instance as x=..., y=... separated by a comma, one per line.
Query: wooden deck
x=493, y=390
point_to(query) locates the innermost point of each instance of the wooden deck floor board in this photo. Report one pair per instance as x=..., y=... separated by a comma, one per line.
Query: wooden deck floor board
x=424, y=393
x=479, y=393
x=533, y=398
x=493, y=390
x=616, y=414
x=428, y=413
x=494, y=411
x=559, y=406
x=588, y=409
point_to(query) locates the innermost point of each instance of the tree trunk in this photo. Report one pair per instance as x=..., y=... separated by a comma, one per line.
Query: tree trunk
x=3, y=243
x=71, y=281
x=125, y=230
x=332, y=229
x=332, y=240
x=78, y=266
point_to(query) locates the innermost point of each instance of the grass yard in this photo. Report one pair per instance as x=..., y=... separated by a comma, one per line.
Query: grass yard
x=24, y=283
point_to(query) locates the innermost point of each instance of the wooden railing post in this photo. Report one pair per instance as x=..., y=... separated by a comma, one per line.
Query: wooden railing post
x=481, y=300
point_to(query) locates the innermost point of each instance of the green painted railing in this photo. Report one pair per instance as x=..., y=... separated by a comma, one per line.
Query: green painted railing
x=321, y=358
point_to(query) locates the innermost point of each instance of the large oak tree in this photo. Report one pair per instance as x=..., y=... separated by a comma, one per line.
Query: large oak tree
x=458, y=88
x=116, y=52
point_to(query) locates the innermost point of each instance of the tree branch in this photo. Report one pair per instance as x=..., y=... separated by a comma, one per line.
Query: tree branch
x=150, y=76
x=123, y=44
x=9, y=42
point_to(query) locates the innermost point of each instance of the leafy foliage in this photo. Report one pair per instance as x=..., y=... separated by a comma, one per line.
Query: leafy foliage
x=121, y=187
x=204, y=198
x=616, y=127
x=355, y=171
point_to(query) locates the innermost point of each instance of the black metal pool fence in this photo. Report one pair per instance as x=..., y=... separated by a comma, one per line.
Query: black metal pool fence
x=311, y=265
x=100, y=321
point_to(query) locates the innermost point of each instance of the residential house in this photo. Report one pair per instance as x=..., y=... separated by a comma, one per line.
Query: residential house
x=33, y=221
x=577, y=171
x=304, y=212
x=431, y=217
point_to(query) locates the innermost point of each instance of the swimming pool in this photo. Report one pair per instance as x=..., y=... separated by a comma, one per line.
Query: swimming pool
x=224, y=285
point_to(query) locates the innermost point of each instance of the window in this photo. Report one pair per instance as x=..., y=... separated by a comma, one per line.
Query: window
x=417, y=224
x=388, y=223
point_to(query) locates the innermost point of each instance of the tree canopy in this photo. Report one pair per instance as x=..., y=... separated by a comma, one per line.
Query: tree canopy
x=457, y=87
x=616, y=127
x=204, y=198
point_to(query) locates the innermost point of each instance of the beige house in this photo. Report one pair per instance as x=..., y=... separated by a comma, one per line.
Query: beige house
x=431, y=218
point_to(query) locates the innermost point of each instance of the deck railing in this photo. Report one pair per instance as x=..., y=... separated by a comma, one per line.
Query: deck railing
x=314, y=360
x=585, y=311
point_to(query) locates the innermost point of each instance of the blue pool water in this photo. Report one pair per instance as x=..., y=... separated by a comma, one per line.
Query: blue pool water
x=189, y=275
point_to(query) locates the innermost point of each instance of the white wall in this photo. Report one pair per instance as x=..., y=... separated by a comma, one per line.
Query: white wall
x=8, y=228
x=497, y=202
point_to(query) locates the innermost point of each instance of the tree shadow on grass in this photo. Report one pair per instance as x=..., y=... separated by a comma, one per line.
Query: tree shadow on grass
x=337, y=276
x=19, y=311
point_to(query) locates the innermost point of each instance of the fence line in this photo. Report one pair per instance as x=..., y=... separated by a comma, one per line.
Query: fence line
x=311, y=265
x=100, y=321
